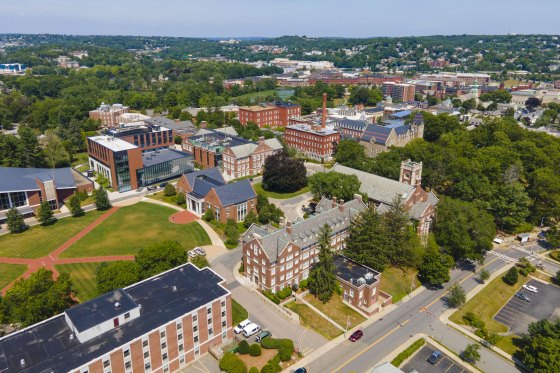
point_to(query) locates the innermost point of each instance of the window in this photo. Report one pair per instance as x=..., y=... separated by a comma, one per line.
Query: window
x=180, y=336
x=164, y=356
x=209, y=311
x=162, y=334
x=210, y=321
x=223, y=303
x=127, y=315
x=181, y=347
x=195, y=328
x=146, y=354
x=224, y=335
x=164, y=345
x=210, y=331
x=241, y=211
x=126, y=352
x=147, y=366
x=179, y=326
x=223, y=313
x=182, y=360
x=194, y=318
x=145, y=343
x=128, y=365
x=224, y=324
x=195, y=339
x=106, y=364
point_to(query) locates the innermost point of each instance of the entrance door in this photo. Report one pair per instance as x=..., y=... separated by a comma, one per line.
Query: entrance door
x=116, y=322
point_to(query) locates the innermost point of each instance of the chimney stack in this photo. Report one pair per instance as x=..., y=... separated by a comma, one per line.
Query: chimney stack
x=289, y=227
x=334, y=202
x=341, y=205
x=324, y=111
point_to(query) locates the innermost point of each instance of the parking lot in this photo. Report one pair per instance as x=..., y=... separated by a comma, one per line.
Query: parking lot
x=444, y=364
x=518, y=314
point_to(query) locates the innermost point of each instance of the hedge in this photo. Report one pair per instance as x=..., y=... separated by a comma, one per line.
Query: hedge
x=270, y=295
x=408, y=352
x=230, y=363
x=255, y=349
x=285, y=293
x=285, y=347
x=273, y=366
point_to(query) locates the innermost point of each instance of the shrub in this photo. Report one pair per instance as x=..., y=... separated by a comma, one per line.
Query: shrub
x=273, y=366
x=408, y=352
x=285, y=347
x=303, y=284
x=180, y=199
x=473, y=320
x=273, y=297
x=243, y=347
x=255, y=349
x=511, y=277
x=254, y=370
x=232, y=364
x=482, y=332
x=208, y=215
x=169, y=190
x=285, y=293
x=15, y=221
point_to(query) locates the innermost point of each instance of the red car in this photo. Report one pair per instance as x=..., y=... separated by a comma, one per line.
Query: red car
x=356, y=335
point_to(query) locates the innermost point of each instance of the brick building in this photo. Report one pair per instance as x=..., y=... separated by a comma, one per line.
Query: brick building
x=156, y=325
x=376, y=80
x=207, y=190
x=399, y=91
x=109, y=114
x=273, y=115
x=26, y=188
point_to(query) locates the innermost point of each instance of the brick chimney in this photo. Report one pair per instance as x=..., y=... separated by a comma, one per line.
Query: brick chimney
x=334, y=203
x=341, y=205
x=289, y=227
x=261, y=139
x=324, y=111
x=358, y=197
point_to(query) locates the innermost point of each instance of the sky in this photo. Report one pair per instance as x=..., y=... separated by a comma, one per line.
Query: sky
x=268, y=18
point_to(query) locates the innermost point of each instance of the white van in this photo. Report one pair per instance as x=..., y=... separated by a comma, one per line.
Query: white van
x=251, y=329
x=498, y=240
x=239, y=328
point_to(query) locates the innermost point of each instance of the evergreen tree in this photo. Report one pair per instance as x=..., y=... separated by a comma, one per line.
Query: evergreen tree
x=45, y=214
x=231, y=232
x=75, y=206
x=511, y=277
x=322, y=279
x=169, y=190
x=32, y=155
x=15, y=221
x=102, y=199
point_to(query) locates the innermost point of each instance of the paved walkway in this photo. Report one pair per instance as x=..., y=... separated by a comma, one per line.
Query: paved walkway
x=183, y=217
x=53, y=259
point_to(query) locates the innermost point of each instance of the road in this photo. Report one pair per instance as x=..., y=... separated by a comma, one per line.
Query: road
x=417, y=315
x=534, y=252
x=292, y=207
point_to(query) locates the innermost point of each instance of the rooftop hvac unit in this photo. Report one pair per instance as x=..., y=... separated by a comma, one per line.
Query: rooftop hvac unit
x=361, y=281
x=368, y=276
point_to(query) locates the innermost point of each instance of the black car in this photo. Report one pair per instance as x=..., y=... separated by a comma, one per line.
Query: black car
x=434, y=357
x=300, y=370
x=523, y=297
x=163, y=185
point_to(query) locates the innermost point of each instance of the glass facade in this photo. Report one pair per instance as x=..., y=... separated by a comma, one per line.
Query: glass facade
x=14, y=199
x=122, y=170
x=165, y=170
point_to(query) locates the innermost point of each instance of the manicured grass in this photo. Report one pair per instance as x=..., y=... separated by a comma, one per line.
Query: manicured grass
x=337, y=310
x=397, y=283
x=259, y=189
x=133, y=227
x=408, y=352
x=83, y=277
x=488, y=302
x=509, y=343
x=9, y=272
x=238, y=312
x=39, y=241
x=162, y=197
x=312, y=320
x=88, y=201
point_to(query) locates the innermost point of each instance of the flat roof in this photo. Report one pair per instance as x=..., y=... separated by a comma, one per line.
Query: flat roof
x=153, y=157
x=307, y=128
x=48, y=346
x=113, y=143
x=350, y=271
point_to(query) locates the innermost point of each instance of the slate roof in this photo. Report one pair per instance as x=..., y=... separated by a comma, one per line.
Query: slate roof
x=47, y=346
x=304, y=233
x=235, y=193
x=355, y=125
x=273, y=143
x=203, y=181
x=377, y=132
x=13, y=179
x=208, y=173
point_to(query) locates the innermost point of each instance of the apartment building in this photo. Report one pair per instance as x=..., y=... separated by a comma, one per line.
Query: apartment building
x=314, y=141
x=156, y=325
x=273, y=115
x=109, y=114
x=399, y=91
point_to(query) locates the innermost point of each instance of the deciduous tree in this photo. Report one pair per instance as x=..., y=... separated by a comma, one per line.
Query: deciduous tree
x=283, y=174
x=334, y=184
x=14, y=220
x=160, y=257
x=114, y=275
x=541, y=347
x=456, y=297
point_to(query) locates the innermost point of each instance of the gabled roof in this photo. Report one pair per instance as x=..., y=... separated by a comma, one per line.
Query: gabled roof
x=203, y=181
x=208, y=173
x=377, y=132
x=243, y=151
x=273, y=143
x=13, y=179
x=235, y=193
x=351, y=124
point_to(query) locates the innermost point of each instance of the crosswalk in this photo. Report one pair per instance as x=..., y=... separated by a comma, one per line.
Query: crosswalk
x=504, y=257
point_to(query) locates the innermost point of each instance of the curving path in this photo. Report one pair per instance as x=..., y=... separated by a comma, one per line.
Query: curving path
x=52, y=259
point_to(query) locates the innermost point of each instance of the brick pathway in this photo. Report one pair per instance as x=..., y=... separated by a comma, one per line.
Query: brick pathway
x=52, y=259
x=183, y=217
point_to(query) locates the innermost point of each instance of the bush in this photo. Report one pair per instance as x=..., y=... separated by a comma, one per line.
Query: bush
x=473, y=320
x=232, y=364
x=243, y=347
x=285, y=347
x=169, y=190
x=273, y=366
x=285, y=293
x=208, y=215
x=273, y=297
x=15, y=221
x=303, y=284
x=254, y=370
x=482, y=332
x=511, y=277
x=255, y=349
x=408, y=352
x=180, y=199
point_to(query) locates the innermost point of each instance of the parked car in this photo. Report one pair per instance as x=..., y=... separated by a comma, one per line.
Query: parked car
x=434, y=357
x=300, y=370
x=262, y=335
x=251, y=329
x=539, y=265
x=192, y=253
x=523, y=297
x=163, y=185
x=239, y=328
x=531, y=288
x=200, y=251
x=152, y=187
x=356, y=335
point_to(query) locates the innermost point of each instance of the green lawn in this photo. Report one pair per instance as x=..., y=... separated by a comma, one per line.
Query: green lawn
x=83, y=278
x=259, y=189
x=311, y=319
x=39, y=241
x=397, y=283
x=9, y=272
x=238, y=312
x=488, y=302
x=337, y=310
x=133, y=227
x=167, y=199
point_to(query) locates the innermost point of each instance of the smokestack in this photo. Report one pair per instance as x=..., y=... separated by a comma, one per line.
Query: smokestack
x=324, y=111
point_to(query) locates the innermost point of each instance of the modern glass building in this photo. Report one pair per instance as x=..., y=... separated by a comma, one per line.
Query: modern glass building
x=163, y=164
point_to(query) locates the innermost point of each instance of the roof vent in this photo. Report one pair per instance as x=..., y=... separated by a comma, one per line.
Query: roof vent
x=361, y=281
x=368, y=276
x=71, y=336
x=117, y=305
x=22, y=363
x=174, y=289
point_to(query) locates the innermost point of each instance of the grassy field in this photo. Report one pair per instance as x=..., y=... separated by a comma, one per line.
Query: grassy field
x=311, y=319
x=238, y=312
x=9, y=272
x=488, y=302
x=167, y=199
x=259, y=189
x=39, y=241
x=397, y=283
x=337, y=310
x=133, y=227
x=83, y=278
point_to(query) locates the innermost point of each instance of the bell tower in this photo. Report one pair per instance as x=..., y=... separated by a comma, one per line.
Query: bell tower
x=411, y=172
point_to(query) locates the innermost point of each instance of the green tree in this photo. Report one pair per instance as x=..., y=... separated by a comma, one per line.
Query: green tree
x=322, y=279
x=334, y=184
x=250, y=218
x=44, y=214
x=471, y=354
x=511, y=206
x=512, y=276
x=14, y=220
x=169, y=190
x=541, y=347
x=208, y=215
x=457, y=296
x=160, y=257
x=365, y=96
x=243, y=347
x=255, y=349
x=437, y=125
x=283, y=174
x=114, y=275
x=102, y=199
x=75, y=206
x=230, y=363
x=483, y=275
x=231, y=231
x=553, y=237
x=55, y=153
x=180, y=199
x=32, y=154
x=351, y=153
x=200, y=261
x=435, y=268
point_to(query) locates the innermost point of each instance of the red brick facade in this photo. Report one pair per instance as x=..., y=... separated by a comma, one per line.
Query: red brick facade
x=273, y=115
x=312, y=141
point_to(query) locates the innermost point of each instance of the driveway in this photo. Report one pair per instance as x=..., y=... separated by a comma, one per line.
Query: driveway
x=292, y=206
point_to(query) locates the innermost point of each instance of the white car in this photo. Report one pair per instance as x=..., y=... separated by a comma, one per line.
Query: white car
x=239, y=328
x=251, y=329
x=531, y=288
x=192, y=254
